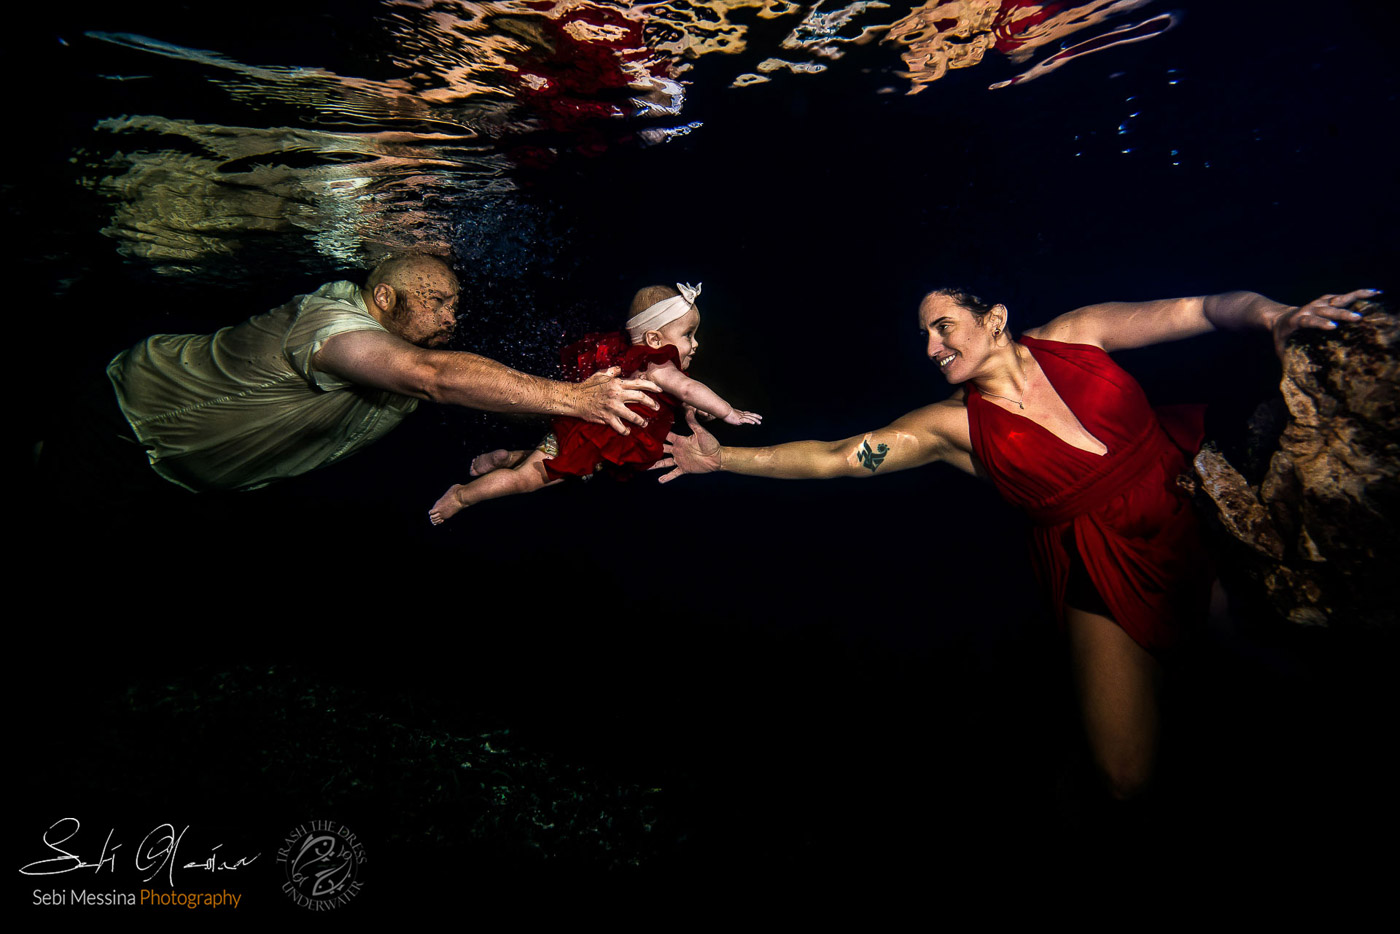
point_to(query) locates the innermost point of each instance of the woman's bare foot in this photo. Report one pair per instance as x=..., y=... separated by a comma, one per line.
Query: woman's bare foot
x=494, y=460
x=449, y=505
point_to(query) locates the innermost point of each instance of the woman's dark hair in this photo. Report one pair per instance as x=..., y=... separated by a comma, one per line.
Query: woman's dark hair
x=966, y=298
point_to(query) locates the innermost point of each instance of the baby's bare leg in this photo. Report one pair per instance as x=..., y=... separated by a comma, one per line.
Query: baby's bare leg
x=526, y=477
x=483, y=464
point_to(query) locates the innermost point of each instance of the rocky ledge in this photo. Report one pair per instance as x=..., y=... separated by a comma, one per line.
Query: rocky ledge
x=1317, y=537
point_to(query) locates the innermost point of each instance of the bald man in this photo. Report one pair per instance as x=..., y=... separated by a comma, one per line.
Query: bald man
x=321, y=377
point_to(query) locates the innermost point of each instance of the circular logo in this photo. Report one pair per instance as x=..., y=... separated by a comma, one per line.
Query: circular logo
x=321, y=860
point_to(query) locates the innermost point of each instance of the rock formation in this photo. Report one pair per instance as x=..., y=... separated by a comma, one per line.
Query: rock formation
x=1319, y=537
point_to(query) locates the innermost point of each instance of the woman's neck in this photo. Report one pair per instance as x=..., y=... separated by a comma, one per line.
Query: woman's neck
x=1007, y=376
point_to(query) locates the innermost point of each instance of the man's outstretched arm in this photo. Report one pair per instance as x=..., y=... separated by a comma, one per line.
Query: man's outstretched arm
x=383, y=361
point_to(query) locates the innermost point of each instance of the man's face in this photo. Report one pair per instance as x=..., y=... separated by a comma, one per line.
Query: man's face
x=425, y=310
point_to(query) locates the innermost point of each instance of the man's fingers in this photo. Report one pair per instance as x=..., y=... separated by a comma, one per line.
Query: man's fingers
x=690, y=418
x=629, y=415
x=667, y=478
x=638, y=384
x=663, y=463
x=631, y=396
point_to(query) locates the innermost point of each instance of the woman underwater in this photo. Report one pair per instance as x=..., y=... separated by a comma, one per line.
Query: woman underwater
x=1068, y=437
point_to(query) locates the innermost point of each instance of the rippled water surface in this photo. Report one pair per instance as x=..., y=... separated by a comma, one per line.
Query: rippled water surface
x=332, y=133
x=525, y=138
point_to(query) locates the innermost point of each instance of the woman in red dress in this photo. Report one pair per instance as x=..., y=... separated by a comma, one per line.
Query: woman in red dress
x=1068, y=437
x=658, y=345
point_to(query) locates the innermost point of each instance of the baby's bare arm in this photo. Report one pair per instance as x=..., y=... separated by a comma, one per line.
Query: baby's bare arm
x=695, y=393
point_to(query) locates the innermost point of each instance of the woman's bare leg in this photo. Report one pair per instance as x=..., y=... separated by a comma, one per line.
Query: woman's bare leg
x=525, y=477
x=1117, y=685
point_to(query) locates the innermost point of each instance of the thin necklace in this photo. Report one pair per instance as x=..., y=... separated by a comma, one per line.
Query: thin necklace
x=1022, y=405
x=1007, y=398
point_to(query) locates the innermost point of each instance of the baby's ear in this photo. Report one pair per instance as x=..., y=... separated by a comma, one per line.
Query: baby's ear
x=652, y=339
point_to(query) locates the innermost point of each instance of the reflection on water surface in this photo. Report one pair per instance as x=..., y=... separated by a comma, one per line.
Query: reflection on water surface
x=463, y=101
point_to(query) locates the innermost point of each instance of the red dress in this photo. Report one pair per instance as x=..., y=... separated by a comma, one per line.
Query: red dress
x=1123, y=513
x=585, y=446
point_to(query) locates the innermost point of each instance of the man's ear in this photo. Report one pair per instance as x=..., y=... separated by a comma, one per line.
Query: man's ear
x=384, y=296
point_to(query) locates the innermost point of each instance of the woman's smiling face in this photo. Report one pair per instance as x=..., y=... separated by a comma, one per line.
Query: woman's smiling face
x=958, y=340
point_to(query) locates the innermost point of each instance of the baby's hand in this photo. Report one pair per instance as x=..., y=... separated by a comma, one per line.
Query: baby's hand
x=740, y=417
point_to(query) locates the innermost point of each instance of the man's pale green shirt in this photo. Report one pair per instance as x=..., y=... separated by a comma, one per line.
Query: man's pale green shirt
x=240, y=408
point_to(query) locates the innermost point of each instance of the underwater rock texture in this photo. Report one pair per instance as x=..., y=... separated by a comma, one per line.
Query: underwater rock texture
x=1318, y=534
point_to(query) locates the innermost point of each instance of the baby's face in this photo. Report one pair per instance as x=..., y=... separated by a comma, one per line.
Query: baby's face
x=681, y=334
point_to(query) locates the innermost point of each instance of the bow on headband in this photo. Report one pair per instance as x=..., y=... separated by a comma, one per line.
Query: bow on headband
x=663, y=312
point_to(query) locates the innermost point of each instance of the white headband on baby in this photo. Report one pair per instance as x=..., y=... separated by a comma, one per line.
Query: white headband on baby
x=663, y=312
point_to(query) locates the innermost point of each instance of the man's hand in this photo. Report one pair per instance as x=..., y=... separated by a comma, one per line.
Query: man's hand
x=1322, y=312
x=698, y=453
x=603, y=398
x=740, y=417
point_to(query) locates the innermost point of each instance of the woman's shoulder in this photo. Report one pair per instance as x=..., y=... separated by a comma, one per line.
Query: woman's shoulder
x=946, y=419
x=1072, y=332
x=1042, y=347
x=1043, y=338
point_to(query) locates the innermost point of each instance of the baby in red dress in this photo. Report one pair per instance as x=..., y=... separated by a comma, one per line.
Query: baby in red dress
x=658, y=345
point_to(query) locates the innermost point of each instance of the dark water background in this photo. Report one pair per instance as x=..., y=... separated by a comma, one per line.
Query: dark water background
x=819, y=680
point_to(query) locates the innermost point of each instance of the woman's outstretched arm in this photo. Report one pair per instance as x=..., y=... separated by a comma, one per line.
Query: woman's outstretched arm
x=934, y=433
x=1124, y=325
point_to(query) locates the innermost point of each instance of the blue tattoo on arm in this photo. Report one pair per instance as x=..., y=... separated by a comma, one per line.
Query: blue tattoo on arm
x=871, y=460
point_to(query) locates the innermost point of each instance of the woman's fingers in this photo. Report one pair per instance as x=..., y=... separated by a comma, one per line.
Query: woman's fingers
x=1347, y=299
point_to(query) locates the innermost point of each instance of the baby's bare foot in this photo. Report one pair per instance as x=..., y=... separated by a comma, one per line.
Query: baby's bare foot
x=446, y=507
x=491, y=460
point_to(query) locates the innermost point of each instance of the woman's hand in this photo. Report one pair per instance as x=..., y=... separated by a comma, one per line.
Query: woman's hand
x=1323, y=312
x=697, y=453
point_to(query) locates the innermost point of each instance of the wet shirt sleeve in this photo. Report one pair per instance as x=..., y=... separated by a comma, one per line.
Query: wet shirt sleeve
x=321, y=318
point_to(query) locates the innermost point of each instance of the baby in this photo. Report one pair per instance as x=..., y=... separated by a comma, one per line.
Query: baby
x=658, y=345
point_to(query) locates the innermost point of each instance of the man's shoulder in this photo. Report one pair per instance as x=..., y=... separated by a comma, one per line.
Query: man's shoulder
x=334, y=296
x=334, y=308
